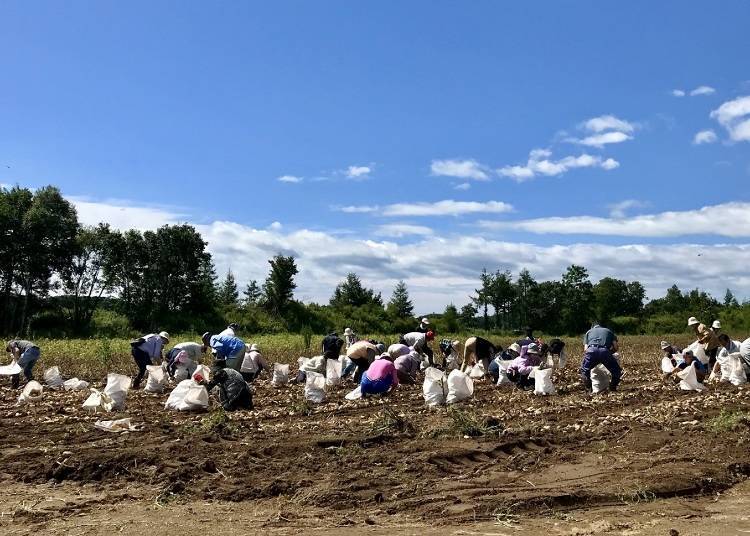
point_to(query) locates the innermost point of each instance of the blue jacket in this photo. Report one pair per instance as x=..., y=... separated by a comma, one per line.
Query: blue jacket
x=226, y=345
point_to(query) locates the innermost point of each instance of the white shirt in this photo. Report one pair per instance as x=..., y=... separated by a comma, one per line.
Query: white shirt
x=416, y=340
x=228, y=332
x=192, y=349
x=152, y=346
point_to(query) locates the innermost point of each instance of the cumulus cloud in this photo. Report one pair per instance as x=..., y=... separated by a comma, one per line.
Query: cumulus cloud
x=608, y=122
x=435, y=280
x=600, y=140
x=734, y=116
x=618, y=210
x=462, y=186
x=539, y=163
x=702, y=90
x=461, y=169
x=704, y=136
x=447, y=207
x=358, y=172
x=728, y=219
x=124, y=214
x=291, y=179
x=398, y=230
x=357, y=209
x=678, y=93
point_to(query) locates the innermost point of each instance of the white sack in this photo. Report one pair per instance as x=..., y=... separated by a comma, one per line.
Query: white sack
x=280, y=375
x=698, y=352
x=157, y=379
x=188, y=396
x=52, y=378
x=32, y=392
x=94, y=402
x=435, y=387
x=666, y=364
x=502, y=373
x=356, y=394
x=600, y=379
x=460, y=387
x=477, y=371
x=542, y=381
x=315, y=388
x=11, y=370
x=118, y=425
x=116, y=389
x=333, y=372
x=74, y=384
x=737, y=376
x=202, y=373
x=689, y=380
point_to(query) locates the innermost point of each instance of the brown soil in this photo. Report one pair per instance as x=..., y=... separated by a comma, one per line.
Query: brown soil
x=643, y=459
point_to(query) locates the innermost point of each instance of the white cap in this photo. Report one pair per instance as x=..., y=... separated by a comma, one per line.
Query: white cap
x=716, y=324
x=665, y=345
x=692, y=321
x=515, y=347
x=348, y=331
x=425, y=321
x=533, y=348
x=254, y=348
x=164, y=335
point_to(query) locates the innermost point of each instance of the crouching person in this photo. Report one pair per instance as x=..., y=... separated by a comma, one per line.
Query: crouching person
x=145, y=350
x=234, y=392
x=520, y=368
x=599, y=345
x=227, y=348
x=688, y=360
x=505, y=357
x=477, y=349
x=183, y=359
x=25, y=354
x=380, y=378
x=362, y=353
x=407, y=367
x=253, y=364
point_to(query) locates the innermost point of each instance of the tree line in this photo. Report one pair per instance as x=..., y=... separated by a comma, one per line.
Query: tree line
x=60, y=278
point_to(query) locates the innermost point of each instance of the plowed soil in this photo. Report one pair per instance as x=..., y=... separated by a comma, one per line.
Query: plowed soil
x=643, y=460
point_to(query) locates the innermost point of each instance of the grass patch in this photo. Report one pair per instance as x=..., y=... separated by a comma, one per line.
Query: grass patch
x=465, y=423
x=216, y=422
x=728, y=420
x=636, y=496
x=303, y=407
x=390, y=423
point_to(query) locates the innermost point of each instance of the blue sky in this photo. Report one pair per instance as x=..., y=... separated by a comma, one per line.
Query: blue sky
x=417, y=140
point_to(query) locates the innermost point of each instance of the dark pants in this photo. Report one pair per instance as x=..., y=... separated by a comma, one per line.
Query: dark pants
x=430, y=356
x=493, y=371
x=249, y=376
x=27, y=373
x=598, y=355
x=362, y=365
x=142, y=360
x=522, y=381
x=243, y=401
x=405, y=378
x=712, y=357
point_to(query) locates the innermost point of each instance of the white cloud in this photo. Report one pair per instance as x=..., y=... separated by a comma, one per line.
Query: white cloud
x=678, y=93
x=728, y=219
x=353, y=209
x=702, y=90
x=436, y=280
x=704, y=136
x=608, y=122
x=540, y=164
x=618, y=210
x=600, y=140
x=447, y=207
x=291, y=179
x=276, y=226
x=398, y=230
x=358, y=172
x=461, y=169
x=462, y=186
x=733, y=116
x=124, y=215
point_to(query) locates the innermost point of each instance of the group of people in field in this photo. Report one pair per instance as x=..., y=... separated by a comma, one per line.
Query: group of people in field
x=378, y=369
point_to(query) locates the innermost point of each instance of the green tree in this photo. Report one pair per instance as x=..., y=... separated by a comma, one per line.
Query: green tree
x=482, y=299
x=253, y=293
x=14, y=204
x=278, y=289
x=450, y=322
x=467, y=316
x=610, y=299
x=577, y=299
x=729, y=300
x=525, y=291
x=400, y=306
x=227, y=293
x=351, y=292
x=500, y=294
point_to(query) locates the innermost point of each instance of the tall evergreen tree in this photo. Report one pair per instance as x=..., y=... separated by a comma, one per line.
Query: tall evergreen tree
x=352, y=292
x=278, y=289
x=400, y=306
x=253, y=293
x=227, y=293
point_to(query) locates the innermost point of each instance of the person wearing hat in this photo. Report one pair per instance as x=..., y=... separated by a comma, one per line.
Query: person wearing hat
x=424, y=326
x=706, y=337
x=183, y=359
x=503, y=358
x=600, y=344
x=25, y=354
x=528, y=339
x=556, y=353
x=234, y=393
x=478, y=349
x=688, y=360
x=253, y=364
x=407, y=365
x=449, y=349
x=231, y=330
x=227, y=348
x=420, y=342
x=669, y=350
x=716, y=327
x=519, y=369
x=350, y=337
x=362, y=354
x=144, y=350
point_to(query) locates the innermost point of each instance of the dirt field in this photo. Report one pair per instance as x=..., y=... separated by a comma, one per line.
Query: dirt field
x=644, y=460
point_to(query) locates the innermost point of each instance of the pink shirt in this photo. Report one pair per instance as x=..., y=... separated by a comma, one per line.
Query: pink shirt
x=380, y=369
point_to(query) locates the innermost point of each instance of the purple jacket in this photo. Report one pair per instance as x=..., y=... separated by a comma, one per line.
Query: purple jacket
x=525, y=362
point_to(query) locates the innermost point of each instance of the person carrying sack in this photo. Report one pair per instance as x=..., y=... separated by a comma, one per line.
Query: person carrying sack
x=144, y=350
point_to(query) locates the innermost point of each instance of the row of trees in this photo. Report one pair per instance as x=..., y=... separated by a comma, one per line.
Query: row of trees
x=58, y=277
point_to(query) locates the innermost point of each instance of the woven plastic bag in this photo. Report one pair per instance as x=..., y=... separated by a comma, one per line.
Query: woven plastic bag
x=280, y=375
x=542, y=381
x=74, y=384
x=188, y=396
x=315, y=387
x=117, y=390
x=157, y=379
x=333, y=372
x=435, y=387
x=600, y=379
x=53, y=379
x=460, y=387
x=32, y=392
x=689, y=380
